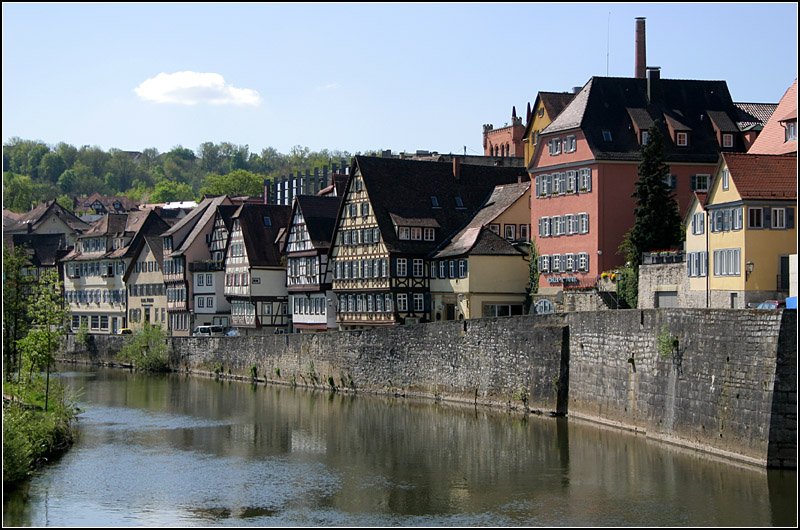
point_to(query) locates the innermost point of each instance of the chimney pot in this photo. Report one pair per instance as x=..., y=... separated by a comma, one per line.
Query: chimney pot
x=456, y=167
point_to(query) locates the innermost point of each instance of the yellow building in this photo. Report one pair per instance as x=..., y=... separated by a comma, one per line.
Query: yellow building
x=144, y=280
x=547, y=106
x=482, y=271
x=749, y=231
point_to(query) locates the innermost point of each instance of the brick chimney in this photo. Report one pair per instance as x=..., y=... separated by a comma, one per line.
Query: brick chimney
x=641, y=49
x=457, y=168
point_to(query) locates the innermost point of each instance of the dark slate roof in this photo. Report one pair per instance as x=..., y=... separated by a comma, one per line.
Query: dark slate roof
x=403, y=189
x=156, y=246
x=753, y=114
x=490, y=244
x=722, y=121
x=108, y=202
x=206, y=216
x=603, y=104
x=44, y=249
x=466, y=240
x=259, y=240
x=109, y=224
x=555, y=102
x=226, y=211
x=136, y=225
x=319, y=214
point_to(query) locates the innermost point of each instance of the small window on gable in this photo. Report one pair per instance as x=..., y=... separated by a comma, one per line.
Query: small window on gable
x=434, y=201
x=495, y=228
x=541, y=112
x=791, y=130
x=727, y=140
x=357, y=183
x=606, y=135
x=645, y=137
x=682, y=139
x=725, y=179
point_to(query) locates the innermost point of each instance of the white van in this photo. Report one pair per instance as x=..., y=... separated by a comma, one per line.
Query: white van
x=208, y=331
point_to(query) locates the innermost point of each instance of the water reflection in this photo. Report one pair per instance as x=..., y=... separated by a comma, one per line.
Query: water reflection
x=176, y=450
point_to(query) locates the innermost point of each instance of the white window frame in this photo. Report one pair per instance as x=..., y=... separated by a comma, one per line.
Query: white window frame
x=572, y=181
x=554, y=146
x=418, y=268
x=419, y=302
x=429, y=234
x=681, y=139
x=524, y=233
x=404, y=233
x=726, y=179
x=583, y=262
x=416, y=233
x=510, y=234
x=645, y=137
x=727, y=140
x=402, y=302
x=755, y=213
x=778, y=220
x=402, y=267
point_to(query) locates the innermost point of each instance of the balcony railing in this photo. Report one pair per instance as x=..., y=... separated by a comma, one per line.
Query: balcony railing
x=657, y=258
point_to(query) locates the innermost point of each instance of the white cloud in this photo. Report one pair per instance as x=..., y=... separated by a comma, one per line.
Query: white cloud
x=329, y=86
x=192, y=88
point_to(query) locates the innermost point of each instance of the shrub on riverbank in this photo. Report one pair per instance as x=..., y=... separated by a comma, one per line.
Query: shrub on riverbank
x=31, y=436
x=147, y=349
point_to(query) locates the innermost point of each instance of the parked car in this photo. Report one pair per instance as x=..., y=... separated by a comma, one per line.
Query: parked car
x=231, y=332
x=124, y=331
x=771, y=304
x=208, y=331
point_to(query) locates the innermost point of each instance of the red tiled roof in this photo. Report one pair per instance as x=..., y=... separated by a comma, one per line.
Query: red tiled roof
x=763, y=176
x=772, y=140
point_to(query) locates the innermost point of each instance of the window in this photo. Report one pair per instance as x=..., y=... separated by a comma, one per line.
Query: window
x=462, y=268
x=571, y=182
x=430, y=234
x=459, y=202
x=584, y=220
x=494, y=227
x=585, y=179
x=267, y=221
x=418, y=268
x=200, y=278
x=726, y=262
x=755, y=217
x=201, y=302
x=583, y=262
x=434, y=202
x=209, y=281
x=682, y=139
x=452, y=267
x=416, y=233
x=699, y=182
x=570, y=144
x=554, y=146
x=402, y=267
x=404, y=232
x=443, y=269
x=645, y=137
x=698, y=223
x=727, y=140
x=357, y=184
x=524, y=233
x=556, y=263
x=402, y=302
x=544, y=227
x=778, y=218
x=510, y=231
x=419, y=302
x=544, y=263
x=569, y=262
x=671, y=182
x=696, y=264
x=791, y=130
x=738, y=218
x=606, y=135
x=388, y=303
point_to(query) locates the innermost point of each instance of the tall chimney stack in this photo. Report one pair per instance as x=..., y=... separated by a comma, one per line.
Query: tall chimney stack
x=457, y=168
x=641, y=50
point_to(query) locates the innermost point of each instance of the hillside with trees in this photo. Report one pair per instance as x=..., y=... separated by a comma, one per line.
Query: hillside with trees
x=34, y=171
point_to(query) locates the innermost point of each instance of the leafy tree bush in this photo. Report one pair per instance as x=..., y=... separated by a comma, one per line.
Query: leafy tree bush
x=147, y=349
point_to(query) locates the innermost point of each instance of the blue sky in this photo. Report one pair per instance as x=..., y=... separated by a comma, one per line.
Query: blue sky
x=353, y=77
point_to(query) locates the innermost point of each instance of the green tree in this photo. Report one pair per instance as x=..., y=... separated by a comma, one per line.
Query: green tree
x=51, y=167
x=48, y=319
x=16, y=287
x=239, y=182
x=68, y=153
x=19, y=192
x=657, y=223
x=167, y=191
x=533, y=276
x=147, y=349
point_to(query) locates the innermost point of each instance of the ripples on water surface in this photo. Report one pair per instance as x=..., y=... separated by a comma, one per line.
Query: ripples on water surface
x=182, y=451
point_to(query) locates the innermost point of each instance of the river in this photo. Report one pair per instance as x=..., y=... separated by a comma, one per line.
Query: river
x=176, y=450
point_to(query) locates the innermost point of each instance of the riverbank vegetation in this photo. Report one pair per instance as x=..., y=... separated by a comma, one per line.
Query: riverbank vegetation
x=147, y=349
x=37, y=415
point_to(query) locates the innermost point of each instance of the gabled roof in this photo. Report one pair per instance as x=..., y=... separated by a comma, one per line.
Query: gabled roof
x=319, y=214
x=772, y=140
x=603, y=104
x=754, y=114
x=108, y=225
x=259, y=239
x=763, y=176
x=108, y=202
x=207, y=216
x=501, y=199
x=722, y=121
x=36, y=216
x=553, y=103
x=402, y=189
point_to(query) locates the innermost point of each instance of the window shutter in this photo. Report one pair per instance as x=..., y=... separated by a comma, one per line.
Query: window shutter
x=394, y=267
x=767, y=217
x=537, y=186
x=789, y=218
x=466, y=268
x=427, y=302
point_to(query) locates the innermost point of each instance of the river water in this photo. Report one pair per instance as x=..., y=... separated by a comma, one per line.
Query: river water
x=176, y=450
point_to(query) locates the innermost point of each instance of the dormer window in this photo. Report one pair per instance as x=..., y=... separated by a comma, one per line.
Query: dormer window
x=404, y=232
x=570, y=144
x=459, y=202
x=791, y=131
x=416, y=233
x=267, y=221
x=430, y=234
x=682, y=139
x=606, y=135
x=727, y=140
x=645, y=137
x=434, y=202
